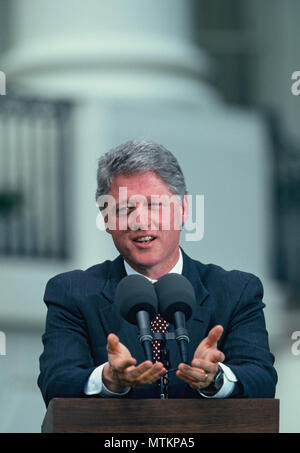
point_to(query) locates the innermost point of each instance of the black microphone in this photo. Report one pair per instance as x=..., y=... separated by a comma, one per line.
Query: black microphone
x=177, y=302
x=137, y=302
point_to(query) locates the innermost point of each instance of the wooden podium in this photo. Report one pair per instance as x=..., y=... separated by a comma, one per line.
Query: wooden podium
x=99, y=415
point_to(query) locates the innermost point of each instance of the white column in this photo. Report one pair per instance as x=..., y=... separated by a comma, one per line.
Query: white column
x=121, y=49
x=92, y=125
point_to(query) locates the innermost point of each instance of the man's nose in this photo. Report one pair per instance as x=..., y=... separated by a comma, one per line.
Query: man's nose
x=141, y=219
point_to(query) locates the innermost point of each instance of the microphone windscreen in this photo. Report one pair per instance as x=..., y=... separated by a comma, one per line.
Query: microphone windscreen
x=135, y=293
x=175, y=293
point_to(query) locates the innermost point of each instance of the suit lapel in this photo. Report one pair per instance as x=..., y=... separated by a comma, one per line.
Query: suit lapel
x=127, y=333
x=197, y=325
x=115, y=275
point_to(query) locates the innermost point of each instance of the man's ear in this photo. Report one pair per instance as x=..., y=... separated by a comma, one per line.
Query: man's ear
x=105, y=221
x=107, y=208
x=101, y=221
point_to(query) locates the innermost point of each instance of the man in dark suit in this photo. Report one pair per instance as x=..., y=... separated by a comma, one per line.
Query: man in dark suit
x=89, y=349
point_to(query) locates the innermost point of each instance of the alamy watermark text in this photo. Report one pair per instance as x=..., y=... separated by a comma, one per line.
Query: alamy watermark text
x=295, y=88
x=295, y=337
x=152, y=213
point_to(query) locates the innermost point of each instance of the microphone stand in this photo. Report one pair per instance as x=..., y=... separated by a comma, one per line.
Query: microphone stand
x=179, y=334
x=164, y=380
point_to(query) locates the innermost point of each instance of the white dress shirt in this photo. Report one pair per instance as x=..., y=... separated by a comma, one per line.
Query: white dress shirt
x=95, y=386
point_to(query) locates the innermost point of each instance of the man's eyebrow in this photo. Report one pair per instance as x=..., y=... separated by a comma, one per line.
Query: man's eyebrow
x=131, y=202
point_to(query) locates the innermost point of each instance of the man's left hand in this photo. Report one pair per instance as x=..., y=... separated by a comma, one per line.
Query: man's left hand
x=205, y=361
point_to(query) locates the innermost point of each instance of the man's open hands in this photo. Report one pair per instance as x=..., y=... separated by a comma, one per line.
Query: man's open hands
x=205, y=361
x=120, y=372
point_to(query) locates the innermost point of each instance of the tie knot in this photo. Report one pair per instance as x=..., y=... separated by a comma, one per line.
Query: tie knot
x=159, y=324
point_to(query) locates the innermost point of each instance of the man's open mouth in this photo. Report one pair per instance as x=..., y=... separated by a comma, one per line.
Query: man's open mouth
x=144, y=239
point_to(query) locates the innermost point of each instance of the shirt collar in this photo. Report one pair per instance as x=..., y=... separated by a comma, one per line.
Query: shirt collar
x=177, y=269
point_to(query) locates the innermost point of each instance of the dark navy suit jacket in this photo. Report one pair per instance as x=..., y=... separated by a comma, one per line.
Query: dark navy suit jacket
x=81, y=313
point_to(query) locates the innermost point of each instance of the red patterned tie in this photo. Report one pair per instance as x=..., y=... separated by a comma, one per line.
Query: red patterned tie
x=158, y=324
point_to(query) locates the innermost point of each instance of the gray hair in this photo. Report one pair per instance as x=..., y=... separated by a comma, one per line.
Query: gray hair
x=135, y=157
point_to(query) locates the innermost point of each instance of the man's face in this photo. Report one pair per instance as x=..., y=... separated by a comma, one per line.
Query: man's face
x=147, y=225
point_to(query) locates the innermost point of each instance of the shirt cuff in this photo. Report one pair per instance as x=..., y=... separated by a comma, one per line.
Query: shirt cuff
x=95, y=386
x=229, y=383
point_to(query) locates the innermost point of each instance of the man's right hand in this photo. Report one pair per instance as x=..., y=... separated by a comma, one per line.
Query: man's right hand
x=120, y=372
